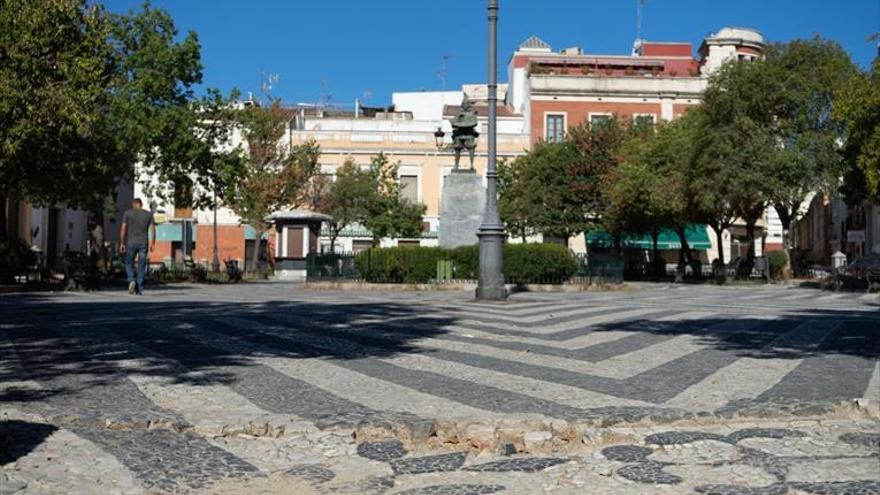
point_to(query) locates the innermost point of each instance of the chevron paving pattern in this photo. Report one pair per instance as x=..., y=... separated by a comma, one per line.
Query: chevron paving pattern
x=218, y=355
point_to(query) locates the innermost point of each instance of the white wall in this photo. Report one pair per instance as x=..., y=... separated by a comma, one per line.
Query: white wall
x=683, y=87
x=425, y=105
x=774, y=226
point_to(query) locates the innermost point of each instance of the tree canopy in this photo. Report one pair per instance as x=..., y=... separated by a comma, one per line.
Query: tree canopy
x=275, y=174
x=86, y=94
x=385, y=212
x=560, y=189
x=858, y=107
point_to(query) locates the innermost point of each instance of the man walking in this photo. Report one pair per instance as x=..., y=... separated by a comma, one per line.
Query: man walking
x=133, y=240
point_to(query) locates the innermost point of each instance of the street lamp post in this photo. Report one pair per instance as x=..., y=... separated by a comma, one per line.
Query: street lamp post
x=491, y=232
x=215, y=263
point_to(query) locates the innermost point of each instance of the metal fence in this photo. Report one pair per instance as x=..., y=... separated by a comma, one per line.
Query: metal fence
x=599, y=269
x=331, y=266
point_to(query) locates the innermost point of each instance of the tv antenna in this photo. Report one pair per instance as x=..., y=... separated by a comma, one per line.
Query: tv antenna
x=268, y=81
x=324, y=98
x=640, y=7
x=443, y=71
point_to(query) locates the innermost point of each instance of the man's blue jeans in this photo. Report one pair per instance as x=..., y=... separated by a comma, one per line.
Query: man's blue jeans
x=141, y=251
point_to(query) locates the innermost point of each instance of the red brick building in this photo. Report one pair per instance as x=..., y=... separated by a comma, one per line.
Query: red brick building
x=659, y=80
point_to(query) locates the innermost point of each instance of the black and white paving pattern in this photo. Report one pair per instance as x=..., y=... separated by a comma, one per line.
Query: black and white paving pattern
x=195, y=389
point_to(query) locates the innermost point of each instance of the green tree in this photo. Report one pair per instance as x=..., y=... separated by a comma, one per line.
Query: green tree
x=275, y=174
x=560, y=189
x=85, y=95
x=544, y=199
x=714, y=190
x=806, y=74
x=857, y=105
x=512, y=205
x=600, y=149
x=386, y=213
x=55, y=67
x=633, y=207
x=654, y=188
x=346, y=198
x=738, y=146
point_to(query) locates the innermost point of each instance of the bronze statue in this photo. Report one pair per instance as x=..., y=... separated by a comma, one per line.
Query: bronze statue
x=464, y=131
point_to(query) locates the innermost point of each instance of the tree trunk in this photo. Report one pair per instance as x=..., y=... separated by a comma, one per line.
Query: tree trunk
x=684, y=256
x=786, y=218
x=746, y=267
x=97, y=235
x=270, y=258
x=656, y=269
x=719, y=235
x=3, y=222
x=689, y=255
x=794, y=261
x=334, y=233
x=255, y=257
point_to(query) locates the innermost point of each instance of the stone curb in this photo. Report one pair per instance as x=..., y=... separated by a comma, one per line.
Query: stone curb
x=464, y=286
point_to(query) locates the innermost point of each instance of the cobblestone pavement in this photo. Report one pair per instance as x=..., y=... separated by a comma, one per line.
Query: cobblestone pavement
x=268, y=388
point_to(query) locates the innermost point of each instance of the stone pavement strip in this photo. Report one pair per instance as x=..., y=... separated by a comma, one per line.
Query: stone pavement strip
x=269, y=388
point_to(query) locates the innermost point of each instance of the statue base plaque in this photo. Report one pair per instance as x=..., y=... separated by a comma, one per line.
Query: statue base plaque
x=461, y=208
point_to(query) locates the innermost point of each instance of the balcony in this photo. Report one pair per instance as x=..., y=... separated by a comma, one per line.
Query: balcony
x=632, y=86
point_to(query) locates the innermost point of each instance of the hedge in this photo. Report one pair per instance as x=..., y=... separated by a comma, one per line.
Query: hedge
x=538, y=263
x=523, y=263
x=410, y=264
x=776, y=260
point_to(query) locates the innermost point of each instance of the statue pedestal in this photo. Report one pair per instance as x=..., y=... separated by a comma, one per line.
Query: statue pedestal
x=462, y=204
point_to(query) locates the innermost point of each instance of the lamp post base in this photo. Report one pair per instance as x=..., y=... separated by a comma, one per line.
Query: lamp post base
x=491, y=284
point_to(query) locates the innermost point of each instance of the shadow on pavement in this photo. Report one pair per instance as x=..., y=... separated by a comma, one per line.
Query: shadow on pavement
x=67, y=346
x=19, y=438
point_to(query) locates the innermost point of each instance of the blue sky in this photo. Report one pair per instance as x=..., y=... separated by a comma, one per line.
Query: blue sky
x=347, y=49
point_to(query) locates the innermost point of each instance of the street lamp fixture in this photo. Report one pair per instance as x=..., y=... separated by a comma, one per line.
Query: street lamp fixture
x=439, y=135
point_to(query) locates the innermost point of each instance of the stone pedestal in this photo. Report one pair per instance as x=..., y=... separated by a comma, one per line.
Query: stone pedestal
x=462, y=204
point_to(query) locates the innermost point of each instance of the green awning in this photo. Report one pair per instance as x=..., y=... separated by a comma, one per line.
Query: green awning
x=172, y=231
x=697, y=237
x=250, y=233
x=359, y=232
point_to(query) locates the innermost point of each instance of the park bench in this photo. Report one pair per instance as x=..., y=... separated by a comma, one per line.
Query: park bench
x=864, y=270
x=80, y=272
x=761, y=269
x=195, y=272
x=233, y=272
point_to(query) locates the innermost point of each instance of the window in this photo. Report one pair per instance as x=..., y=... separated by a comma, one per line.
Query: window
x=359, y=246
x=555, y=128
x=409, y=188
x=599, y=118
x=645, y=121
